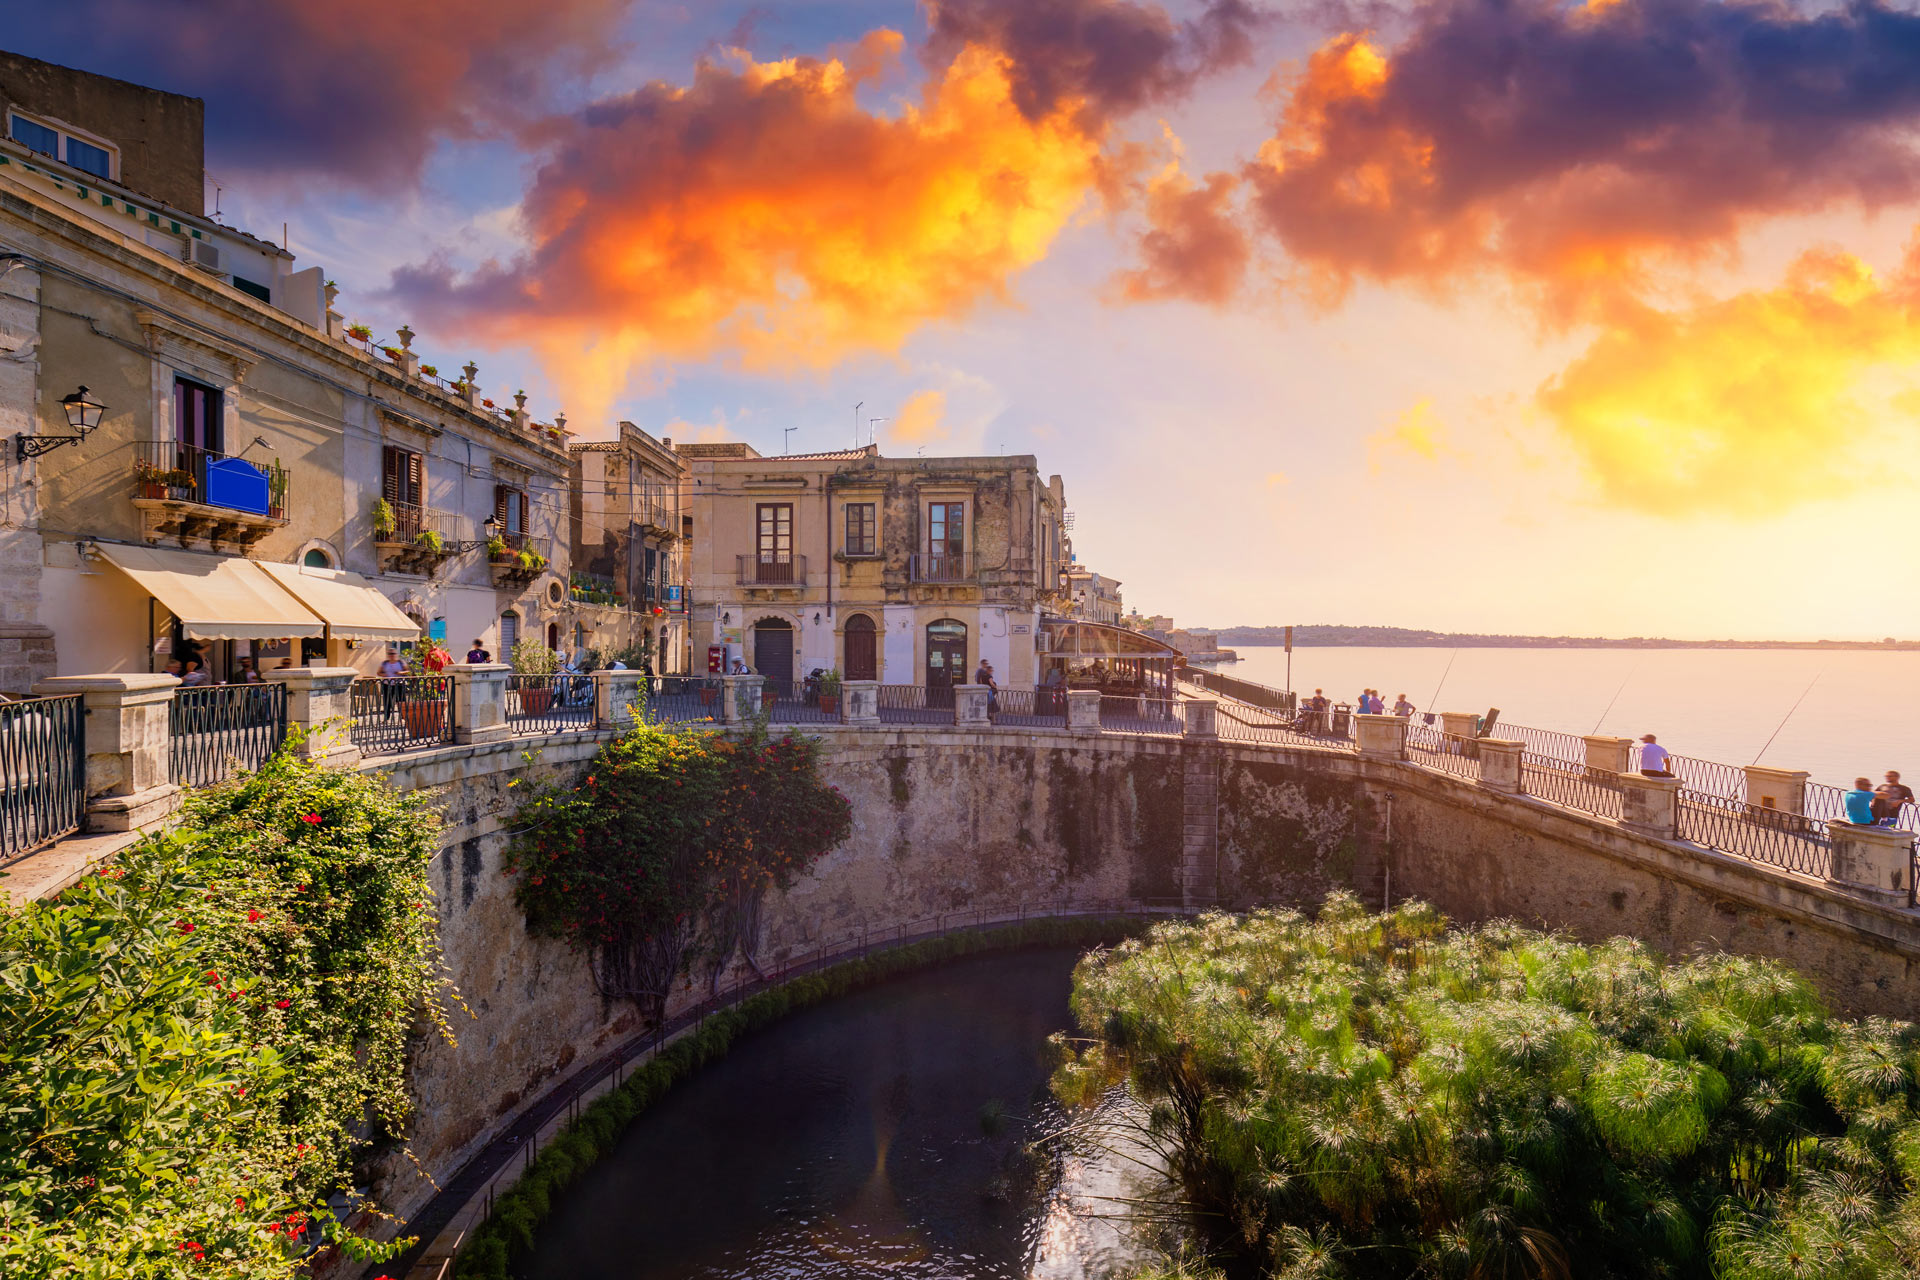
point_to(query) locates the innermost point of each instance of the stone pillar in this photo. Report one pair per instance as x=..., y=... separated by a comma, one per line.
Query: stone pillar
x=26, y=648
x=1202, y=716
x=739, y=698
x=859, y=702
x=320, y=706
x=1607, y=755
x=1874, y=862
x=126, y=742
x=1083, y=710
x=479, y=701
x=1781, y=789
x=1381, y=737
x=615, y=693
x=1650, y=805
x=970, y=706
x=1500, y=764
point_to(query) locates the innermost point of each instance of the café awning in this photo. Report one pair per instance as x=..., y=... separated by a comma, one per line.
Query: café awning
x=1075, y=637
x=352, y=607
x=215, y=597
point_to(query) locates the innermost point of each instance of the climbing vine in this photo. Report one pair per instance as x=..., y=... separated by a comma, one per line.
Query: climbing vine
x=661, y=855
x=201, y=1042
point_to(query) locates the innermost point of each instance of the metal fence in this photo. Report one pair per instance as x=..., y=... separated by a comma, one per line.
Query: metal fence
x=1547, y=744
x=911, y=704
x=1428, y=746
x=1138, y=713
x=1030, y=708
x=1250, y=692
x=1240, y=725
x=549, y=704
x=1759, y=835
x=1572, y=786
x=43, y=772
x=798, y=702
x=681, y=699
x=401, y=714
x=214, y=729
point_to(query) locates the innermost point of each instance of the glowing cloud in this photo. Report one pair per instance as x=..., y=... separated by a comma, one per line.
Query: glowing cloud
x=1417, y=433
x=1748, y=405
x=921, y=420
x=1194, y=246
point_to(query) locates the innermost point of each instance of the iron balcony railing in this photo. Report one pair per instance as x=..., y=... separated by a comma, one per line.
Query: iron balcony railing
x=941, y=566
x=212, y=730
x=682, y=699
x=189, y=473
x=1140, y=713
x=798, y=702
x=43, y=772
x=1030, y=708
x=401, y=714
x=773, y=569
x=549, y=704
x=915, y=704
x=410, y=521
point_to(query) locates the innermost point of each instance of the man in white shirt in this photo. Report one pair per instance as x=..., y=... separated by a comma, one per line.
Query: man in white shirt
x=1654, y=758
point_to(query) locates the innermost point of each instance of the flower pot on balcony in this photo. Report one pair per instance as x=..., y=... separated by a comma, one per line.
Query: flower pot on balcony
x=534, y=702
x=830, y=703
x=424, y=718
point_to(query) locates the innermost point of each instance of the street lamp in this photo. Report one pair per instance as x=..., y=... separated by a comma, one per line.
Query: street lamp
x=488, y=528
x=83, y=416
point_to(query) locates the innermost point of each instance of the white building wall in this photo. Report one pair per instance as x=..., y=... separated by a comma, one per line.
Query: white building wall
x=899, y=647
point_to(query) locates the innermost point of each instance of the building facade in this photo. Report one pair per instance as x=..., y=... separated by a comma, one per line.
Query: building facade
x=242, y=422
x=905, y=570
x=1095, y=596
x=628, y=585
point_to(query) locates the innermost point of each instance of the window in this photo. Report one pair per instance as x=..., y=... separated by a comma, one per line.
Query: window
x=197, y=420
x=316, y=559
x=97, y=161
x=34, y=136
x=860, y=529
x=650, y=574
x=248, y=287
x=403, y=473
x=509, y=632
x=510, y=509
x=947, y=528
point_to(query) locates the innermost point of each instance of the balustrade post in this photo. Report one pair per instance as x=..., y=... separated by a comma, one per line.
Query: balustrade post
x=1459, y=730
x=128, y=780
x=970, y=706
x=1500, y=764
x=740, y=698
x=1874, y=862
x=320, y=704
x=1381, y=737
x=1607, y=754
x=1650, y=806
x=479, y=701
x=1781, y=789
x=615, y=694
x=859, y=702
x=1083, y=710
x=1202, y=717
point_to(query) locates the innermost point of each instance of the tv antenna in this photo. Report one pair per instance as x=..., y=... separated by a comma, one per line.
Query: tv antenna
x=786, y=439
x=856, y=422
x=872, y=433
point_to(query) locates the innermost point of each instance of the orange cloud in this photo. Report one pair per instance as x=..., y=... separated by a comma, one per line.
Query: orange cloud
x=1752, y=404
x=763, y=213
x=921, y=420
x=1194, y=246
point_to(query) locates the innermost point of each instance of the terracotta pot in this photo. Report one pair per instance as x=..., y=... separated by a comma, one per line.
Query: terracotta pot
x=830, y=703
x=424, y=719
x=707, y=695
x=534, y=702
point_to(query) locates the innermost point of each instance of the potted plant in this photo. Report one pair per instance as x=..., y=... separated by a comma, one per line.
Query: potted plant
x=828, y=687
x=431, y=542
x=532, y=562
x=276, y=490
x=384, y=521
x=496, y=548
x=180, y=484
x=430, y=370
x=151, y=480
x=423, y=706
x=360, y=333
x=392, y=353
x=532, y=658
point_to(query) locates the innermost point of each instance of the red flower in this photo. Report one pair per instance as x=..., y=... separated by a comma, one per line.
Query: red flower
x=314, y=818
x=283, y=1004
x=184, y=926
x=252, y=916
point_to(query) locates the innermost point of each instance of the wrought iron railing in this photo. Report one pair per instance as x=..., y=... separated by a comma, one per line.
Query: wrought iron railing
x=1239, y=724
x=401, y=714
x=774, y=569
x=189, y=473
x=411, y=521
x=1546, y=744
x=43, y=772
x=214, y=729
x=683, y=699
x=1572, y=786
x=915, y=704
x=1140, y=713
x=1247, y=691
x=557, y=703
x=941, y=566
x=1427, y=745
x=798, y=702
x=1044, y=708
x=1771, y=836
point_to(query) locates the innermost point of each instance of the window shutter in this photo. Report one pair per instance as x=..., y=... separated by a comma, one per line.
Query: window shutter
x=390, y=474
x=521, y=495
x=416, y=481
x=500, y=507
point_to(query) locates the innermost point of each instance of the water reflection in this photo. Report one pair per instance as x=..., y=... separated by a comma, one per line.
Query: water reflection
x=849, y=1141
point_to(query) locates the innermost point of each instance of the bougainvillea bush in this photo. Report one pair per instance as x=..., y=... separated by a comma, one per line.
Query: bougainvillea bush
x=663, y=850
x=1379, y=1097
x=199, y=1042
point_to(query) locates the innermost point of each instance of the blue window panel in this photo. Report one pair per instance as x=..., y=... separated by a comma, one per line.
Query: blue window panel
x=89, y=158
x=35, y=137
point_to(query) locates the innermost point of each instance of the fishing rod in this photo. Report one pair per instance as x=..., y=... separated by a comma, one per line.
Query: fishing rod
x=1443, y=680
x=1790, y=710
x=1616, y=697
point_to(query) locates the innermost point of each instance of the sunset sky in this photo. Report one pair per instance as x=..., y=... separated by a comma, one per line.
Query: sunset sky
x=1493, y=315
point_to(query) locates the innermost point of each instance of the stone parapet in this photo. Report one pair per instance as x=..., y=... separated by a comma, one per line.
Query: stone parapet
x=1202, y=716
x=128, y=781
x=1083, y=710
x=740, y=698
x=1607, y=754
x=1459, y=730
x=320, y=707
x=1500, y=764
x=615, y=694
x=1875, y=862
x=479, y=701
x=1782, y=789
x=860, y=702
x=1381, y=737
x=1650, y=805
x=970, y=706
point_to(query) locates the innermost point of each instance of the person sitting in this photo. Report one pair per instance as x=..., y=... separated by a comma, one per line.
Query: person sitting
x=1860, y=803
x=1654, y=758
x=1890, y=797
x=192, y=675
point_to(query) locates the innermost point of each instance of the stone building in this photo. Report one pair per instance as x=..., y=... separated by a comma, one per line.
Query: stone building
x=242, y=423
x=1095, y=596
x=904, y=570
x=628, y=583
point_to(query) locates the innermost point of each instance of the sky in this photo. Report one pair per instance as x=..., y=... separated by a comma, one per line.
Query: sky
x=1481, y=315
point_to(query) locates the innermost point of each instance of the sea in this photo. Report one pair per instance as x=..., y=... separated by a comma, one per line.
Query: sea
x=1837, y=713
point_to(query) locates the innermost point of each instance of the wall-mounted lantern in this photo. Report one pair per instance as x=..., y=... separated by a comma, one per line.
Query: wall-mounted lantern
x=83, y=416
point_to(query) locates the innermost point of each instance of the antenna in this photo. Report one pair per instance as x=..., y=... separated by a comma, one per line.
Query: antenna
x=856, y=422
x=872, y=423
x=786, y=442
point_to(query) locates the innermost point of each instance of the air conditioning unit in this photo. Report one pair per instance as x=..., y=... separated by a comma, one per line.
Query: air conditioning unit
x=206, y=255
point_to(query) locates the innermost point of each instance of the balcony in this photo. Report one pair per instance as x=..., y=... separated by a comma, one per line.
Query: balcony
x=192, y=494
x=513, y=561
x=416, y=540
x=773, y=570
x=656, y=515
x=594, y=588
x=941, y=566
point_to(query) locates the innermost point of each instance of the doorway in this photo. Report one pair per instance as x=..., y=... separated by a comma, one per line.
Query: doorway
x=773, y=650
x=863, y=650
x=946, y=660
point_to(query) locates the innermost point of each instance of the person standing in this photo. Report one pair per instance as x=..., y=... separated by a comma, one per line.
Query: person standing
x=478, y=653
x=1403, y=708
x=1890, y=797
x=1860, y=808
x=983, y=674
x=1654, y=758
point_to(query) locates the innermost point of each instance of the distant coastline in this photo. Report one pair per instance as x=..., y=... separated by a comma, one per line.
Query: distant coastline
x=1407, y=638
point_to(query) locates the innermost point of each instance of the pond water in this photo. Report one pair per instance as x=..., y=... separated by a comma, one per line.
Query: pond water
x=847, y=1140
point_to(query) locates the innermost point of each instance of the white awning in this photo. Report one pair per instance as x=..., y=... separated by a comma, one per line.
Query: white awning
x=215, y=597
x=353, y=607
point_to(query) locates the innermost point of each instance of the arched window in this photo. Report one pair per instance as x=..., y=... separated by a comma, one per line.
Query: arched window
x=553, y=635
x=316, y=559
x=863, y=652
x=509, y=632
